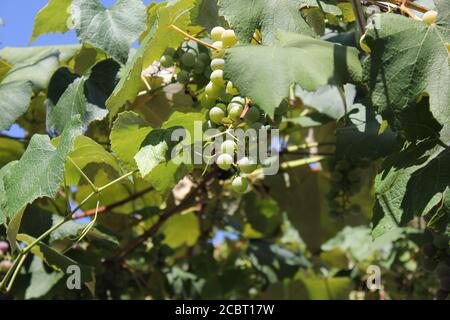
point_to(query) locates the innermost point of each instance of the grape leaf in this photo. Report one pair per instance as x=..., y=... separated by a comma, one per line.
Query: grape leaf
x=409, y=61
x=51, y=18
x=269, y=16
x=15, y=98
x=30, y=55
x=39, y=173
x=114, y=29
x=181, y=229
x=313, y=63
x=56, y=260
x=410, y=184
x=160, y=37
x=10, y=150
x=128, y=124
x=41, y=281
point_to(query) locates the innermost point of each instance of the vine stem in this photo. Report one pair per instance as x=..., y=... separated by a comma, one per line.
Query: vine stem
x=187, y=35
x=117, y=180
x=16, y=271
x=359, y=15
x=91, y=184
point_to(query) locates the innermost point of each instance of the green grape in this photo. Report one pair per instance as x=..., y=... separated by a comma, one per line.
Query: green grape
x=207, y=102
x=229, y=38
x=217, y=53
x=441, y=294
x=169, y=52
x=207, y=72
x=212, y=90
x=224, y=96
x=256, y=125
x=239, y=184
x=188, y=59
x=199, y=67
x=429, y=264
x=429, y=249
x=228, y=146
x=166, y=61
x=445, y=283
x=217, y=78
x=183, y=77
x=222, y=106
x=216, y=115
x=224, y=161
x=216, y=33
x=231, y=89
x=235, y=111
x=240, y=100
x=442, y=270
x=252, y=115
x=440, y=241
x=246, y=165
x=217, y=64
x=203, y=57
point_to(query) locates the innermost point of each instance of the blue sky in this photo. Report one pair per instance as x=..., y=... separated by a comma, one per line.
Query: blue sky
x=18, y=16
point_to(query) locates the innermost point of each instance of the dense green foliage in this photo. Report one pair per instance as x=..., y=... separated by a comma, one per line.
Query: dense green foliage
x=97, y=182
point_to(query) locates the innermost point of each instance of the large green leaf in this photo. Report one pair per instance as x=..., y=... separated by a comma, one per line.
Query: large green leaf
x=114, y=29
x=14, y=100
x=85, y=96
x=312, y=64
x=51, y=18
x=411, y=183
x=409, y=61
x=41, y=281
x=160, y=37
x=15, y=56
x=39, y=173
x=269, y=16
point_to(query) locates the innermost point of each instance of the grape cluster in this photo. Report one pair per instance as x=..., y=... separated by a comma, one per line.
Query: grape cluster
x=5, y=264
x=192, y=61
x=437, y=259
x=346, y=181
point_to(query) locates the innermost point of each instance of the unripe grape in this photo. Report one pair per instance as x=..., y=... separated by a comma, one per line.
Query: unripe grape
x=199, y=67
x=203, y=57
x=217, y=64
x=224, y=161
x=169, y=52
x=166, y=61
x=183, y=77
x=207, y=102
x=445, y=283
x=231, y=89
x=4, y=246
x=229, y=38
x=240, y=100
x=217, y=53
x=217, y=78
x=429, y=249
x=239, y=184
x=440, y=241
x=212, y=90
x=429, y=16
x=228, y=146
x=442, y=270
x=188, y=59
x=441, y=294
x=207, y=72
x=252, y=115
x=216, y=115
x=235, y=111
x=246, y=165
x=256, y=125
x=5, y=265
x=216, y=33
x=222, y=106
